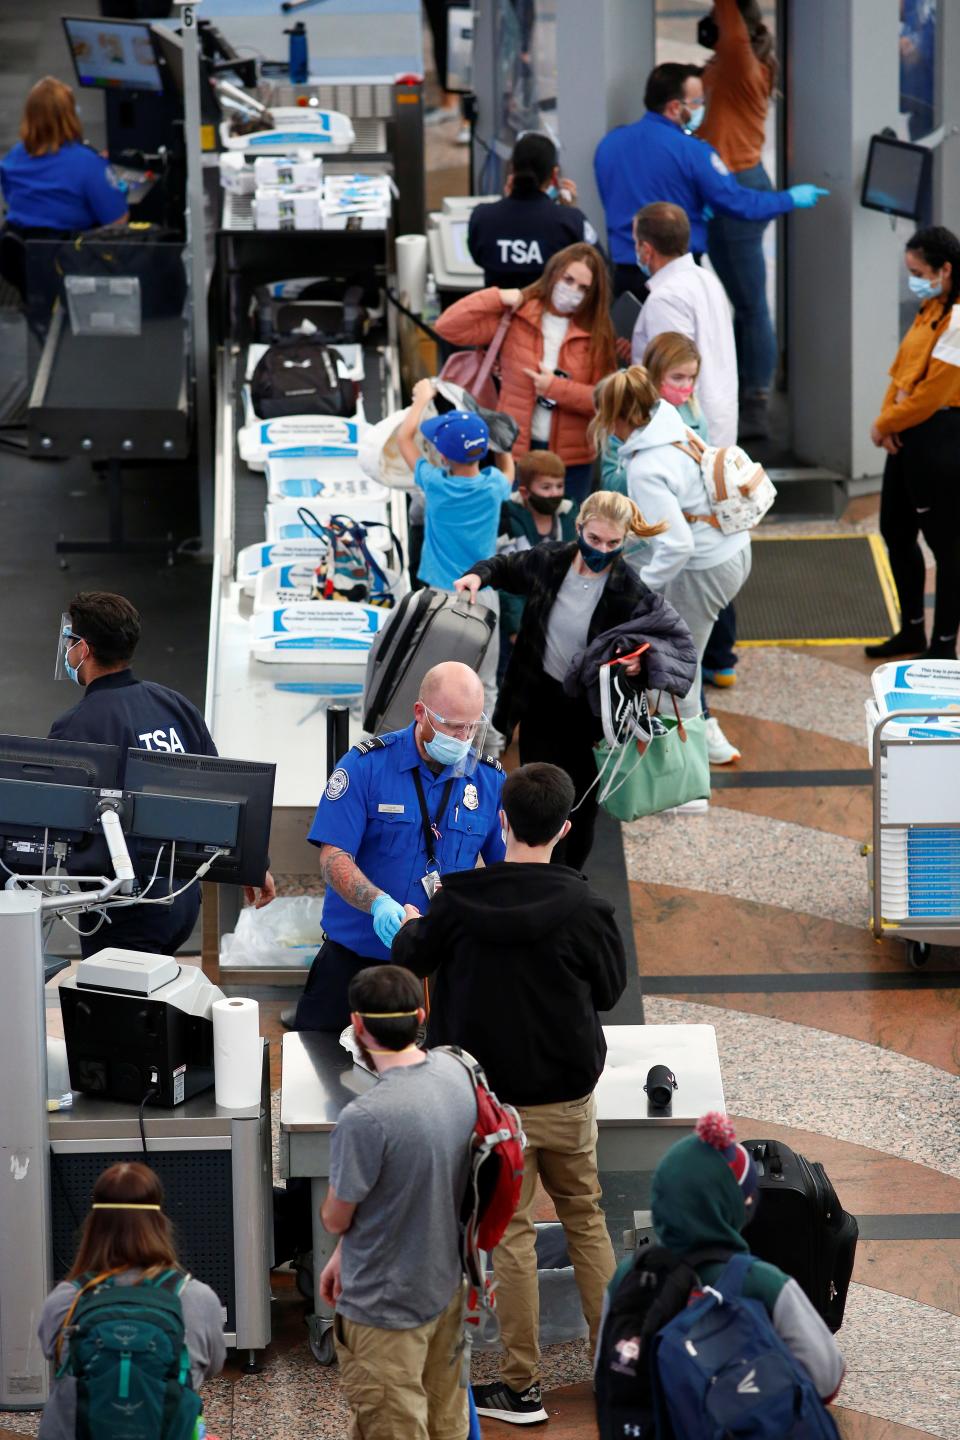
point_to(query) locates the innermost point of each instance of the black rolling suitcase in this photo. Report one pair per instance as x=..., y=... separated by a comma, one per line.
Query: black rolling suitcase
x=427, y=626
x=801, y=1226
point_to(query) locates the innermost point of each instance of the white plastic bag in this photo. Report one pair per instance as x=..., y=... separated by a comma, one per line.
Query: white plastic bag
x=283, y=934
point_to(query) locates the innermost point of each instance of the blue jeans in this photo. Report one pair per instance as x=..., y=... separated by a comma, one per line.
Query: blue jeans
x=735, y=248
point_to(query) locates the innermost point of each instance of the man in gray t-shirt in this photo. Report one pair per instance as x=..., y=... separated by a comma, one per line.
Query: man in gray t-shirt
x=399, y=1159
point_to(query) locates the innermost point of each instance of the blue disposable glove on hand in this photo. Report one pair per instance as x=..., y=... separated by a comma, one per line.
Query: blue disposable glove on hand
x=388, y=916
x=805, y=197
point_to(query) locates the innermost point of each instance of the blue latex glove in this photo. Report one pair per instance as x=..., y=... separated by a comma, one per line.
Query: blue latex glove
x=805, y=197
x=388, y=916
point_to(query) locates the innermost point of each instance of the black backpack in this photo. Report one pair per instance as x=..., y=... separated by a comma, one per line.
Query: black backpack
x=299, y=376
x=654, y=1290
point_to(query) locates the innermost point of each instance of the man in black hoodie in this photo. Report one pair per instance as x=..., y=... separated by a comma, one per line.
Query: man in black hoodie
x=525, y=955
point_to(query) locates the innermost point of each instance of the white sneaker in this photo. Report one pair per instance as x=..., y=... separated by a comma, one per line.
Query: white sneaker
x=719, y=749
x=463, y=135
x=690, y=807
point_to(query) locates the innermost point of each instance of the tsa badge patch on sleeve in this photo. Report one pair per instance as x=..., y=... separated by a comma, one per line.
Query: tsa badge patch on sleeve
x=338, y=784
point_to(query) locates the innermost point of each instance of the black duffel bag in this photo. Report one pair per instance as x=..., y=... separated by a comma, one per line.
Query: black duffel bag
x=301, y=376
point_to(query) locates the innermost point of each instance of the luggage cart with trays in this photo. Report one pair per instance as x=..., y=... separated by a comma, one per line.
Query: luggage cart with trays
x=915, y=859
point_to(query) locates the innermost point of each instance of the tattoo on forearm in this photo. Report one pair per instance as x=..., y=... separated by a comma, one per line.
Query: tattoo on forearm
x=341, y=873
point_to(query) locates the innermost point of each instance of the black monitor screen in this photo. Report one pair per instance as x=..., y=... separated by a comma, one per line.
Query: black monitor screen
x=113, y=54
x=896, y=176
x=215, y=778
x=48, y=762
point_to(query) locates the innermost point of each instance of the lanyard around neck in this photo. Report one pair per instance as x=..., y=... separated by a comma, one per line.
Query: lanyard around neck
x=430, y=832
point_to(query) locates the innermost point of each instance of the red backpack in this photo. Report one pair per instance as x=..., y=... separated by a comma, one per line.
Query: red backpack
x=493, y=1188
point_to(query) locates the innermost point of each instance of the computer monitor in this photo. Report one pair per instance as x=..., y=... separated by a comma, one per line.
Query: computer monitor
x=113, y=54
x=249, y=783
x=33, y=764
x=897, y=177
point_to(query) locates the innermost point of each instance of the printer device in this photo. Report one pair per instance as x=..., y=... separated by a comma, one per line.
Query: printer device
x=129, y=1016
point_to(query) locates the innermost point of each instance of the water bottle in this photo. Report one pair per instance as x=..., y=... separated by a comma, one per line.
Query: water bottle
x=299, y=57
x=431, y=301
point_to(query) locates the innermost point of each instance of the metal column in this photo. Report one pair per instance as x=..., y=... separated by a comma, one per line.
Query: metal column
x=26, y=1267
x=196, y=242
x=842, y=86
x=604, y=53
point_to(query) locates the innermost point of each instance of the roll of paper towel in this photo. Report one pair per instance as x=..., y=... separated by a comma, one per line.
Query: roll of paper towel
x=237, y=1053
x=412, y=269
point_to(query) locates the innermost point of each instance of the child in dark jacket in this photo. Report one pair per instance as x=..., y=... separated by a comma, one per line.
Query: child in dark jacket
x=536, y=511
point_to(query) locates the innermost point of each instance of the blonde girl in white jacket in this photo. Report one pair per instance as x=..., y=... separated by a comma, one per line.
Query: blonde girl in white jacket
x=691, y=563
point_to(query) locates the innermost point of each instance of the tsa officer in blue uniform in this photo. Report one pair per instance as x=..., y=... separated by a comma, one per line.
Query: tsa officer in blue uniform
x=658, y=158
x=53, y=183
x=512, y=239
x=98, y=638
x=399, y=812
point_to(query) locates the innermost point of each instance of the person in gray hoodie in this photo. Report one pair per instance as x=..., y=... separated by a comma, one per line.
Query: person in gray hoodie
x=690, y=562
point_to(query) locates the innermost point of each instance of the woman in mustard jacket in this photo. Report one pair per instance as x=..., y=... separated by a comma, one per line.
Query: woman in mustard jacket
x=919, y=427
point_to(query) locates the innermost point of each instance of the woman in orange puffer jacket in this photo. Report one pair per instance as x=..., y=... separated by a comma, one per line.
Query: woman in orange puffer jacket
x=561, y=324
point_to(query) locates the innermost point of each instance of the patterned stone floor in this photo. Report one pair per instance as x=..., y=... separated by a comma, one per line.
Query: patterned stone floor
x=754, y=918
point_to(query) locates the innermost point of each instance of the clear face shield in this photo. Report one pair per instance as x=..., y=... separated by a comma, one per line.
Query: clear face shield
x=457, y=743
x=66, y=641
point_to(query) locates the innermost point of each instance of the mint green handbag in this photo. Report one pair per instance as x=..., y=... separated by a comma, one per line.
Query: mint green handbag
x=672, y=769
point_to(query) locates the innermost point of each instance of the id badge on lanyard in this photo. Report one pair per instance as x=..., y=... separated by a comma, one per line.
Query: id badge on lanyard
x=431, y=834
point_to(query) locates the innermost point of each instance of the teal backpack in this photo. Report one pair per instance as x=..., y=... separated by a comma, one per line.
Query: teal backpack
x=128, y=1356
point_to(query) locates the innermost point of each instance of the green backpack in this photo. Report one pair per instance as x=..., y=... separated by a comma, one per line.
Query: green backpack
x=128, y=1356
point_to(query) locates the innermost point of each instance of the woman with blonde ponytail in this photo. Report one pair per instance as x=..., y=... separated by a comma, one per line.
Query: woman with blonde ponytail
x=691, y=562
x=575, y=591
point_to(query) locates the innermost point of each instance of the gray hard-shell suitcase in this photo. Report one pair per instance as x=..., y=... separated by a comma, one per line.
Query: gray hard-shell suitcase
x=427, y=626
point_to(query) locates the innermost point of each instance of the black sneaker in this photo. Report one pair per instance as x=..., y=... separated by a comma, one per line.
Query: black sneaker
x=498, y=1402
x=911, y=640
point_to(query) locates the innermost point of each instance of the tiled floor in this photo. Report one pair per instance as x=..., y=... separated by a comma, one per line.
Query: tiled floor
x=754, y=918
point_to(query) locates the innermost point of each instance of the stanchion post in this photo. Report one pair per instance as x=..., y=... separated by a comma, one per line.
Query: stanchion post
x=338, y=735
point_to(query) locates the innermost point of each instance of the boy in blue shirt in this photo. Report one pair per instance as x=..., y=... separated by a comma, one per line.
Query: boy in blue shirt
x=463, y=499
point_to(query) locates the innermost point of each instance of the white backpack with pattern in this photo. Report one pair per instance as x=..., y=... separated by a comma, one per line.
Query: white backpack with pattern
x=739, y=490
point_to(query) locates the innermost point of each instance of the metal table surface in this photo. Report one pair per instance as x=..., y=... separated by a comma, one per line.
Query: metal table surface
x=319, y=1078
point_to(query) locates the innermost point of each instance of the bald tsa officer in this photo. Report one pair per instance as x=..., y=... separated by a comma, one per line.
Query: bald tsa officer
x=399, y=812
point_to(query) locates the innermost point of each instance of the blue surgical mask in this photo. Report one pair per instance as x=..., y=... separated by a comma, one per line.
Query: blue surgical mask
x=446, y=749
x=923, y=289
x=551, y=192
x=644, y=269
x=696, y=117
x=71, y=671
x=597, y=560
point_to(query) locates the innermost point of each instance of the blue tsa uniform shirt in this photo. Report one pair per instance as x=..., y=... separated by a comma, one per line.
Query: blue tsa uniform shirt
x=654, y=159
x=119, y=709
x=72, y=189
x=371, y=810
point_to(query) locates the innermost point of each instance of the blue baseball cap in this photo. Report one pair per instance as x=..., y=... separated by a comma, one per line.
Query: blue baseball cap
x=459, y=435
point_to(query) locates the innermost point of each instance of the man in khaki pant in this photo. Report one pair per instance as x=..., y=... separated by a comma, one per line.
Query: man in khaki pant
x=525, y=955
x=399, y=1158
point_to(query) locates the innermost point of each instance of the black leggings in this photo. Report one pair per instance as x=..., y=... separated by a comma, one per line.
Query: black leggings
x=921, y=492
x=561, y=732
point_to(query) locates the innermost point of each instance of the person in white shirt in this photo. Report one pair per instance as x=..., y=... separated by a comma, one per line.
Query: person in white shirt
x=697, y=568
x=687, y=298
